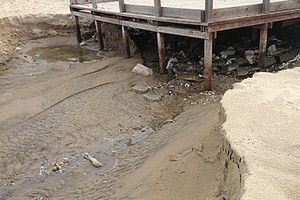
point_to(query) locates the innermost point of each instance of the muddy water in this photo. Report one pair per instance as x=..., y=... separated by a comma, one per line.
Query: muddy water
x=64, y=53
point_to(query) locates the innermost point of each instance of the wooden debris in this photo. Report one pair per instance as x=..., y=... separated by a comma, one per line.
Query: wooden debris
x=95, y=162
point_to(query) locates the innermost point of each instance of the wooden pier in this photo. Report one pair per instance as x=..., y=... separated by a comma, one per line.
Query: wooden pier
x=201, y=19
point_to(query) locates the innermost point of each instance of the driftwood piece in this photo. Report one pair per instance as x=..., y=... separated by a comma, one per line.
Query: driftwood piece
x=95, y=162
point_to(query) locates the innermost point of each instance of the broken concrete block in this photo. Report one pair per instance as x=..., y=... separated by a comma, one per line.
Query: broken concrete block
x=142, y=70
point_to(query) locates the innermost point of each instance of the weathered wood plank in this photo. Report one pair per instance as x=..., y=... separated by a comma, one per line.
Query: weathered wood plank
x=181, y=13
x=253, y=20
x=286, y=5
x=228, y=13
x=140, y=9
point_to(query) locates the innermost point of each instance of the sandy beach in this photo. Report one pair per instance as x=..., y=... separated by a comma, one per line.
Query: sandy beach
x=186, y=146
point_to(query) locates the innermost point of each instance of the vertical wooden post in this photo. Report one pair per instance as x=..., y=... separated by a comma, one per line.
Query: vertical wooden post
x=209, y=10
x=265, y=6
x=157, y=4
x=208, y=45
x=161, y=52
x=94, y=3
x=263, y=45
x=78, y=33
x=99, y=34
x=121, y=6
x=126, y=41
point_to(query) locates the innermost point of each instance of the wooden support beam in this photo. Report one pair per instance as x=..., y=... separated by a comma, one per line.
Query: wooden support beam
x=208, y=45
x=263, y=45
x=126, y=41
x=209, y=10
x=158, y=10
x=265, y=6
x=121, y=6
x=161, y=52
x=99, y=34
x=78, y=33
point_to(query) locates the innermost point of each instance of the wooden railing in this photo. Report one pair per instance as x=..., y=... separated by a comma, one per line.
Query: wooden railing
x=207, y=15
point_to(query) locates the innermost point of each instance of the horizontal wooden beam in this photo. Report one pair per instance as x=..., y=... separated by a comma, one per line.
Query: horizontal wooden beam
x=253, y=20
x=163, y=29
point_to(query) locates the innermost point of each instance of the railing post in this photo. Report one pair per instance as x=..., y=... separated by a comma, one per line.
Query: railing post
x=209, y=10
x=157, y=5
x=94, y=3
x=78, y=33
x=265, y=6
x=121, y=6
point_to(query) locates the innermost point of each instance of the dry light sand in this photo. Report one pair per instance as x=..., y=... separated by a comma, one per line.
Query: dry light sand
x=263, y=126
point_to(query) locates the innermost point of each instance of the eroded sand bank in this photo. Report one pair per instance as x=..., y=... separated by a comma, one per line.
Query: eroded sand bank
x=263, y=126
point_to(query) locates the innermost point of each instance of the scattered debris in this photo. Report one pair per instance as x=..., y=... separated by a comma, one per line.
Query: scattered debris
x=36, y=56
x=57, y=167
x=172, y=93
x=169, y=121
x=230, y=51
x=191, y=77
x=82, y=43
x=173, y=159
x=272, y=49
x=18, y=49
x=287, y=64
x=143, y=70
x=95, y=162
x=250, y=56
x=170, y=66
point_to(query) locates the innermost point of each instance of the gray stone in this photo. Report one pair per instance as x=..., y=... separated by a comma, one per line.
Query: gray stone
x=152, y=97
x=143, y=70
x=140, y=88
x=288, y=55
x=269, y=61
x=242, y=62
x=242, y=71
x=232, y=67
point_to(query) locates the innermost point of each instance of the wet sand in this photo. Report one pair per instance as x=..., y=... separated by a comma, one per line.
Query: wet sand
x=56, y=112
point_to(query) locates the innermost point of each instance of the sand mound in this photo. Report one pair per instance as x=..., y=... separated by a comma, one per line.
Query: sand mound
x=263, y=117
